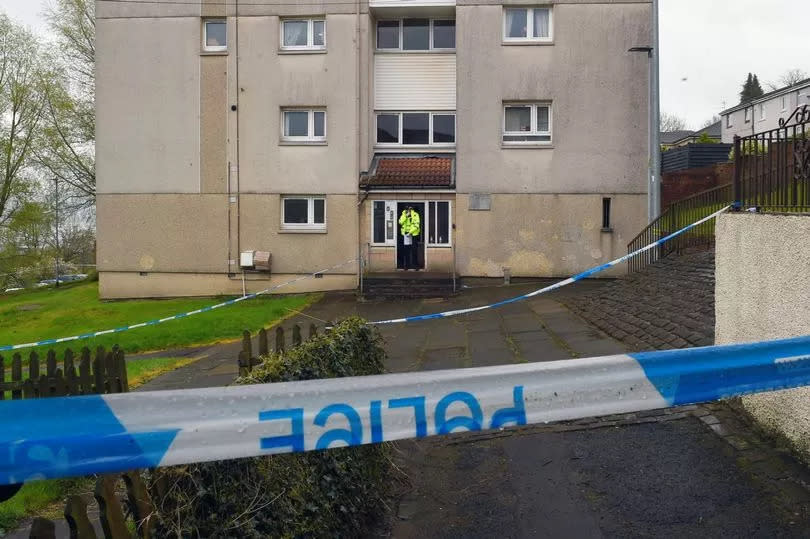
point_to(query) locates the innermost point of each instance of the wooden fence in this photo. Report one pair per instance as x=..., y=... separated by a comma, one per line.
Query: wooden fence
x=102, y=373
x=247, y=360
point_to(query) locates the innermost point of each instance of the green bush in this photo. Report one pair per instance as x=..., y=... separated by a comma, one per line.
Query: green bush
x=333, y=493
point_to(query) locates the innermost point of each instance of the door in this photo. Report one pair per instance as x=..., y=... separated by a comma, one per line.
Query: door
x=418, y=241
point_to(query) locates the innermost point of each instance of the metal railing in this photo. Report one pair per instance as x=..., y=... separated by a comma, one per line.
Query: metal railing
x=675, y=217
x=772, y=168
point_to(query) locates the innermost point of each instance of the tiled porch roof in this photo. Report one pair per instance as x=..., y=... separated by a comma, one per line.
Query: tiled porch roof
x=410, y=172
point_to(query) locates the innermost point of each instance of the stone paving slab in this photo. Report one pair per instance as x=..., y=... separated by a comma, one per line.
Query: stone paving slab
x=670, y=304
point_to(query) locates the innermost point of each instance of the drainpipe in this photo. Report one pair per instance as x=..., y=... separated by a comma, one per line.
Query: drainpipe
x=359, y=155
x=655, y=124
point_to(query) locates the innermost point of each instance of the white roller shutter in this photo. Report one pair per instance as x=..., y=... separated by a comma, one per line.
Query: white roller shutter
x=415, y=82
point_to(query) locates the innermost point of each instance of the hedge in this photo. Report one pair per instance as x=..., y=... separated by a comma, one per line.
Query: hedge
x=333, y=493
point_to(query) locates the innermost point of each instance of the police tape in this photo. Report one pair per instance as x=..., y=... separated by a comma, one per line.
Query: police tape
x=73, y=436
x=7, y=347
x=565, y=282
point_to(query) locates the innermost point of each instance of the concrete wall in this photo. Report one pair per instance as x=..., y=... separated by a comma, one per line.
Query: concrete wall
x=598, y=92
x=763, y=292
x=148, y=105
x=544, y=235
x=546, y=203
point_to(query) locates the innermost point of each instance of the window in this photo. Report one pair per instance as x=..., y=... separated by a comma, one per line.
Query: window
x=527, y=123
x=215, y=35
x=416, y=128
x=303, y=34
x=382, y=223
x=416, y=34
x=784, y=103
x=304, y=125
x=527, y=24
x=439, y=222
x=747, y=114
x=303, y=213
x=728, y=120
x=761, y=108
x=606, y=214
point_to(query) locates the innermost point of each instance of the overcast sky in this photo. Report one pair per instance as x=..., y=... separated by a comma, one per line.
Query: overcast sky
x=707, y=48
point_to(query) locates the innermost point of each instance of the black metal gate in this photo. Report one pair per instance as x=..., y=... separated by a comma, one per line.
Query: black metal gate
x=772, y=168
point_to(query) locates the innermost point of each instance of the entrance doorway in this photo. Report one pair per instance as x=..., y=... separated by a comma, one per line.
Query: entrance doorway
x=418, y=246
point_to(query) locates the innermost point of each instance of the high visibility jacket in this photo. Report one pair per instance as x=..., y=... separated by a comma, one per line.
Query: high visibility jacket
x=409, y=223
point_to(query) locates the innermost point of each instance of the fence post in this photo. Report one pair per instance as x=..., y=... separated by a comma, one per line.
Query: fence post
x=42, y=528
x=76, y=516
x=279, y=339
x=313, y=331
x=737, y=195
x=140, y=503
x=296, y=335
x=98, y=370
x=16, y=375
x=109, y=509
x=85, y=378
x=263, y=348
x=33, y=366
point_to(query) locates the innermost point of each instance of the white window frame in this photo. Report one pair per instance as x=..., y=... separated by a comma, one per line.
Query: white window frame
x=434, y=216
x=529, y=25
x=761, y=107
x=389, y=242
x=784, y=102
x=533, y=123
x=430, y=114
x=310, y=224
x=748, y=114
x=310, y=137
x=401, y=36
x=213, y=48
x=310, y=46
x=728, y=120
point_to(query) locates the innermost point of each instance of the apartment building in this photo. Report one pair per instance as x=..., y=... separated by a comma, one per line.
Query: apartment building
x=518, y=132
x=764, y=113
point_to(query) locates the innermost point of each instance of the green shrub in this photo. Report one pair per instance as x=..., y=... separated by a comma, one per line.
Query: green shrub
x=333, y=493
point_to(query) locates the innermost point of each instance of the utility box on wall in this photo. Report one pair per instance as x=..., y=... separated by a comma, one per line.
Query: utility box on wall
x=255, y=260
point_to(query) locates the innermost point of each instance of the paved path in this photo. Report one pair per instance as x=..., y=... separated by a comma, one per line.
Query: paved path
x=690, y=472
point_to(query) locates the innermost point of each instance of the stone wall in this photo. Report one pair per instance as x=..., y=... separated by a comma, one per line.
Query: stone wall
x=763, y=292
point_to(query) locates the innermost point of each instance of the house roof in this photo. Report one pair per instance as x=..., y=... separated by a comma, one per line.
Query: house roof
x=770, y=95
x=410, y=171
x=670, y=137
x=714, y=131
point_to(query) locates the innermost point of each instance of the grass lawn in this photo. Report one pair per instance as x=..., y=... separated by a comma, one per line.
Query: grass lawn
x=44, y=498
x=75, y=309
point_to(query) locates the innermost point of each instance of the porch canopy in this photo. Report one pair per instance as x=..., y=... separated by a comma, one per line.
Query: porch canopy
x=410, y=171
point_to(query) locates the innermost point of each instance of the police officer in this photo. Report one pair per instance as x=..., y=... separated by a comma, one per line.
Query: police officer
x=409, y=227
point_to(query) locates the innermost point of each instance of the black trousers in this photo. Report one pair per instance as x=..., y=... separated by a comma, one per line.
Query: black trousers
x=409, y=256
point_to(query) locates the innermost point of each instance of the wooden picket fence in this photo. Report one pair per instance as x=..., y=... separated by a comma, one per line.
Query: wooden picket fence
x=247, y=360
x=102, y=372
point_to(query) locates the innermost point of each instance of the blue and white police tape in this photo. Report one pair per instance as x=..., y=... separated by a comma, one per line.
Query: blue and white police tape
x=71, y=436
x=555, y=286
x=7, y=347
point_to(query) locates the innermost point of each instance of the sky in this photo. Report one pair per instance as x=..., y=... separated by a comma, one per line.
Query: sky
x=707, y=48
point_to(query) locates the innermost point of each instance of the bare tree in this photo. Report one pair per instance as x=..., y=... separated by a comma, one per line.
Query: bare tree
x=66, y=146
x=714, y=119
x=21, y=107
x=789, y=78
x=672, y=122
